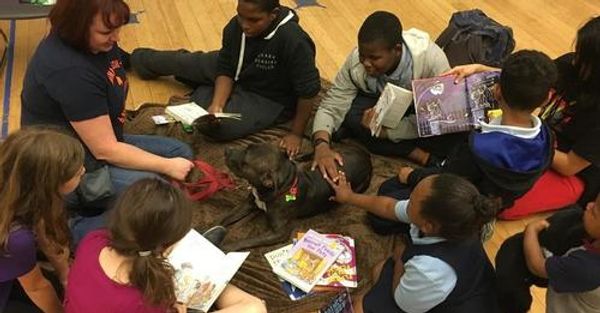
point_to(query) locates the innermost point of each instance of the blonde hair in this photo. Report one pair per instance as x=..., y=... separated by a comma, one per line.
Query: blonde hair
x=34, y=163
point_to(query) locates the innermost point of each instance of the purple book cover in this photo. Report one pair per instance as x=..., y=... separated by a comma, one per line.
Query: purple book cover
x=444, y=107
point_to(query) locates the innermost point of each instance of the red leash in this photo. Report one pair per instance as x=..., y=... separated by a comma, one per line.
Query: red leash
x=212, y=181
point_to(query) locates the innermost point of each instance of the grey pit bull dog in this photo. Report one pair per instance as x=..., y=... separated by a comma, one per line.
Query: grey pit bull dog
x=285, y=190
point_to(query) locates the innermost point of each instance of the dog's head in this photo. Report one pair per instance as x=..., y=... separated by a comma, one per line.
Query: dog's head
x=263, y=165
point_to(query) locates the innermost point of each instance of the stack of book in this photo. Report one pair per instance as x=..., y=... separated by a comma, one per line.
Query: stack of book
x=314, y=263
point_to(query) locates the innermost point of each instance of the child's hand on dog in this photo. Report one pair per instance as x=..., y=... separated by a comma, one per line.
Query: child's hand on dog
x=343, y=190
x=291, y=143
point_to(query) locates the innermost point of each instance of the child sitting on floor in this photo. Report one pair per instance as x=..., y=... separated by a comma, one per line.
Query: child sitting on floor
x=38, y=167
x=510, y=153
x=572, y=286
x=124, y=268
x=444, y=267
x=385, y=54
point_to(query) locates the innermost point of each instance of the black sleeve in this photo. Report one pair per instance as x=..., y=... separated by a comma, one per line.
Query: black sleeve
x=303, y=72
x=461, y=163
x=228, y=55
x=587, y=147
x=80, y=91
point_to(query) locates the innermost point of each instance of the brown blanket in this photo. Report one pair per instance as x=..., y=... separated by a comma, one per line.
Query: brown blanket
x=255, y=275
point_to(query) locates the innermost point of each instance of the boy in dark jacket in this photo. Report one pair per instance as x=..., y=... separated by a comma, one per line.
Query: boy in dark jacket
x=507, y=155
x=265, y=70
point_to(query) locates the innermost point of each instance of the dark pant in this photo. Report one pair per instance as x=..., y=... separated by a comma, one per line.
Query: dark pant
x=199, y=71
x=514, y=279
x=440, y=146
x=395, y=189
x=257, y=112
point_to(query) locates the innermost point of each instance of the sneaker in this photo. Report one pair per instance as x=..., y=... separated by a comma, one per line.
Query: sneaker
x=435, y=161
x=215, y=234
x=487, y=231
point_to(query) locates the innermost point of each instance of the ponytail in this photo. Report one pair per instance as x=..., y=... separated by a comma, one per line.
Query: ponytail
x=457, y=207
x=153, y=275
x=148, y=218
x=485, y=208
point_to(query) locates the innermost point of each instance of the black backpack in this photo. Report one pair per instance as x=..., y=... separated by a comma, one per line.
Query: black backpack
x=473, y=37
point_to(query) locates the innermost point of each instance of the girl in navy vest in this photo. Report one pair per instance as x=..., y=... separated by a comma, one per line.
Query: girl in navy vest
x=443, y=267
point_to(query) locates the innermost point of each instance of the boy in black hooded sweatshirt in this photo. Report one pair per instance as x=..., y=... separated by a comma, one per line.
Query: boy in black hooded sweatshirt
x=265, y=70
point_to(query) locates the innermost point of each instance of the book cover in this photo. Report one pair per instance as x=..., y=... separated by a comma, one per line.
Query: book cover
x=343, y=272
x=202, y=271
x=341, y=303
x=390, y=108
x=443, y=106
x=187, y=113
x=308, y=259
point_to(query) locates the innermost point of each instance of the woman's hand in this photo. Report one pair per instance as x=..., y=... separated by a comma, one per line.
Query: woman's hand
x=178, y=168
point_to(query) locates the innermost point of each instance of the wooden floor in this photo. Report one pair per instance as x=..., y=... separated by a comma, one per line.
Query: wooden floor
x=545, y=25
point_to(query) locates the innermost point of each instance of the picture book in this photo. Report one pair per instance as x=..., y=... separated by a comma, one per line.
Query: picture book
x=308, y=259
x=341, y=303
x=443, y=106
x=390, y=108
x=187, y=113
x=202, y=271
x=343, y=272
x=275, y=257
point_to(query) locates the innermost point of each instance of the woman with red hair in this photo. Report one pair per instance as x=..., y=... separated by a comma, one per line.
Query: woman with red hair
x=76, y=79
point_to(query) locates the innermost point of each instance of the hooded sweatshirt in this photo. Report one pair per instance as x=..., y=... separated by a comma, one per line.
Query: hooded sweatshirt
x=428, y=61
x=501, y=161
x=278, y=64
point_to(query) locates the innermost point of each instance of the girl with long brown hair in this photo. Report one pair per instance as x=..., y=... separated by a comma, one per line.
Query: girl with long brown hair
x=124, y=269
x=37, y=168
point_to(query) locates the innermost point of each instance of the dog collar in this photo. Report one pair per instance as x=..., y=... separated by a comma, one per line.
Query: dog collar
x=292, y=193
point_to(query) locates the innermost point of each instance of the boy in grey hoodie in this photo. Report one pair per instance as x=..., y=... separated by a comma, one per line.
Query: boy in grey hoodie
x=385, y=54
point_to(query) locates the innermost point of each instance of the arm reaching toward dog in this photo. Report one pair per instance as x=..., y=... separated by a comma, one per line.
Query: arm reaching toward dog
x=383, y=207
x=326, y=159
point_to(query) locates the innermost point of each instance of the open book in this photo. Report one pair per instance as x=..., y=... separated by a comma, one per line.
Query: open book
x=390, y=108
x=202, y=271
x=187, y=113
x=444, y=107
x=308, y=260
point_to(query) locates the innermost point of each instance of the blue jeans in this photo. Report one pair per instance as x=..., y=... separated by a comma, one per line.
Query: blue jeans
x=83, y=222
x=162, y=146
